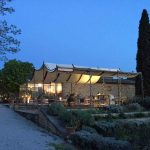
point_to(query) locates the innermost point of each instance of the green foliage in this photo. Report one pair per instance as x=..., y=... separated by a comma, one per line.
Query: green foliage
x=89, y=129
x=84, y=117
x=13, y=75
x=136, y=99
x=8, y=44
x=62, y=146
x=92, y=141
x=139, y=115
x=143, y=55
x=145, y=103
x=135, y=131
x=69, y=119
x=56, y=109
x=92, y=111
x=122, y=115
x=114, y=109
x=133, y=107
x=77, y=118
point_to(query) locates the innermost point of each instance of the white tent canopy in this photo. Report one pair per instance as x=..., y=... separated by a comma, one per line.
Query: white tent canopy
x=75, y=74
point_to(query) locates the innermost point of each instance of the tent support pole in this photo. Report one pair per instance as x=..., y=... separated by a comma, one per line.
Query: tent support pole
x=34, y=90
x=118, y=87
x=71, y=88
x=90, y=90
x=55, y=91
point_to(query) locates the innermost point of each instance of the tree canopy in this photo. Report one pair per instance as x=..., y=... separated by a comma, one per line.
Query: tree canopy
x=13, y=75
x=8, y=42
x=143, y=55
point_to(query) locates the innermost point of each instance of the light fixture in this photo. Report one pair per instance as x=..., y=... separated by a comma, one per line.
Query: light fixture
x=39, y=85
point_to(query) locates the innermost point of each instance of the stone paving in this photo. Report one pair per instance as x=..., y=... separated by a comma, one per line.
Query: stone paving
x=17, y=133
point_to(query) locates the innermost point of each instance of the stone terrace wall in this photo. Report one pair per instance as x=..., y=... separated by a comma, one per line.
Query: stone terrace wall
x=84, y=89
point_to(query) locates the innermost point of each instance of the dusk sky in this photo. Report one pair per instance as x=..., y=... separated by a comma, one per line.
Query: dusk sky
x=100, y=33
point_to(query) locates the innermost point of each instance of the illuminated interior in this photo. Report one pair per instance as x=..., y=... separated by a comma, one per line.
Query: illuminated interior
x=74, y=78
x=84, y=79
x=94, y=79
x=52, y=88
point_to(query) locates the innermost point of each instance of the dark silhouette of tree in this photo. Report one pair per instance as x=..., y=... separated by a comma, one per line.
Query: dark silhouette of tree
x=143, y=55
x=8, y=42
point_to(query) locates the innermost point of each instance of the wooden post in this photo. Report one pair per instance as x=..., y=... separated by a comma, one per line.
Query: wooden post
x=90, y=90
x=71, y=88
x=26, y=96
x=34, y=89
x=120, y=90
x=118, y=87
x=55, y=91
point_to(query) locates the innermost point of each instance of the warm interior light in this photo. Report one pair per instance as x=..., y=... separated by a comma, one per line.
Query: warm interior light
x=74, y=78
x=30, y=85
x=84, y=79
x=39, y=85
x=28, y=99
x=52, y=88
x=94, y=79
x=59, y=88
x=55, y=88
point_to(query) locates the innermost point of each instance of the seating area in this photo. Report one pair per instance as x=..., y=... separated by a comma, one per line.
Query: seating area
x=77, y=101
x=74, y=100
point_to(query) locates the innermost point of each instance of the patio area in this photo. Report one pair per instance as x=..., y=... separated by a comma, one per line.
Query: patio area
x=78, y=86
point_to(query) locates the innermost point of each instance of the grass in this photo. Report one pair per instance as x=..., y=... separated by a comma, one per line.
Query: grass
x=62, y=146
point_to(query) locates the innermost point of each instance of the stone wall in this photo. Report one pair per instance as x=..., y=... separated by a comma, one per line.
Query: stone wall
x=41, y=119
x=126, y=90
x=46, y=123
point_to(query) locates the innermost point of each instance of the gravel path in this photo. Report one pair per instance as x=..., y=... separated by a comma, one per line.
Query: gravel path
x=17, y=133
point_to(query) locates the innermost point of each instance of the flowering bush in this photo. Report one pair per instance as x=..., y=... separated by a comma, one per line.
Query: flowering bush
x=114, y=109
x=133, y=107
x=90, y=141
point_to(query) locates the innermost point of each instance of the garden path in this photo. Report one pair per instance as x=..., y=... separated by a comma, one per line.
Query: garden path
x=17, y=133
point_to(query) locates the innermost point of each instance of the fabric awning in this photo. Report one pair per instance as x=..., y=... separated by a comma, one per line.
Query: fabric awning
x=75, y=74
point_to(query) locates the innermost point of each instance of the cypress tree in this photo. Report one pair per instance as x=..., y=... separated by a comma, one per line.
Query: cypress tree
x=143, y=55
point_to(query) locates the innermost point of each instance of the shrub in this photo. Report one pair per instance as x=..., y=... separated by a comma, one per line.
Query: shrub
x=122, y=115
x=139, y=115
x=56, y=109
x=69, y=119
x=146, y=102
x=91, y=111
x=91, y=141
x=135, y=131
x=62, y=146
x=84, y=117
x=136, y=99
x=114, y=109
x=105, y=128
x=77, y=118
x=133, y=107
x=89, y=129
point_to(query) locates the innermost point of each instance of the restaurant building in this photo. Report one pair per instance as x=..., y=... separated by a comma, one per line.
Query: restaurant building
x=57, y=82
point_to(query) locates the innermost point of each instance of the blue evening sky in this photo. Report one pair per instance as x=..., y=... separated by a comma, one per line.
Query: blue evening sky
x=100, y=33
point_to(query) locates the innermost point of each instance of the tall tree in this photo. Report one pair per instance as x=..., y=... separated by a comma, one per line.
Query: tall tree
x=13, y=75
x=143, y=54
x=8, y=42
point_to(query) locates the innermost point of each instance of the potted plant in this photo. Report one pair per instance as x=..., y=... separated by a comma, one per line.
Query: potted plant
x=71, y=126
x=70, y=121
